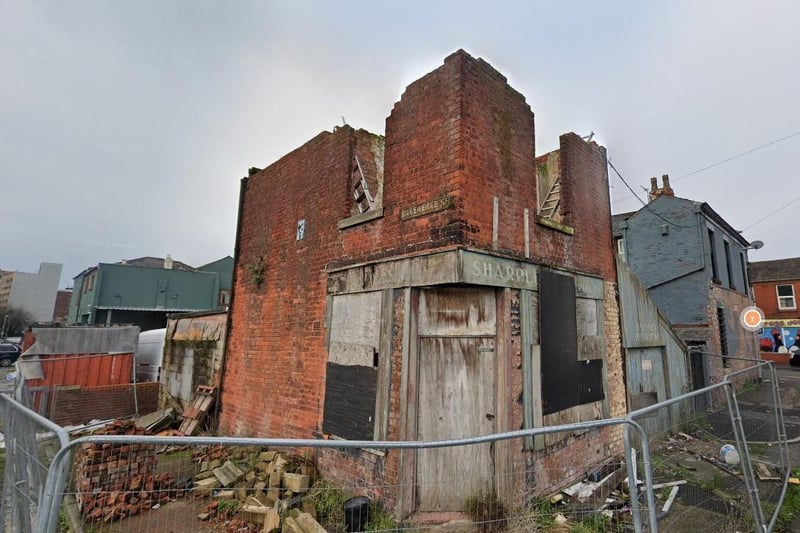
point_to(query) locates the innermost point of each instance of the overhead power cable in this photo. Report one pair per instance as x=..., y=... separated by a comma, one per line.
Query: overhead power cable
x=762, y=219
x=646, y=205
x=718, y=163
x=737, y=156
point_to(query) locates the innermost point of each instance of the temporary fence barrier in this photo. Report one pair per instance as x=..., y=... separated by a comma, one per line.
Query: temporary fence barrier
x=168, y=483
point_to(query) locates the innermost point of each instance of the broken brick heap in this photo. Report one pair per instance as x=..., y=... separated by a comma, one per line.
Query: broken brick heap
x=117, y=480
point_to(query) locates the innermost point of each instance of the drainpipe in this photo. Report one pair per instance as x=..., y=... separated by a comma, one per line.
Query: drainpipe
x=236, y=255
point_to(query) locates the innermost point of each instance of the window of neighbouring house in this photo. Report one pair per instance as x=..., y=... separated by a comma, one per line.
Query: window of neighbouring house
x=224, y=297
x=786, y=297
x=723, y=336
x=743, y=264
x=728, y=263
x=621, y=248
x=712, y=246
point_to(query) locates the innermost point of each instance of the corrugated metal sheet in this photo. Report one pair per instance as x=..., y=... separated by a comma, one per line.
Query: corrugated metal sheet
x=654, y=354
x=84, y=370
x=162, y=309
x=84, y=340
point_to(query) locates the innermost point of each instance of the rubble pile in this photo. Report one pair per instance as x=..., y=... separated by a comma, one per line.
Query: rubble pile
x=254, y=486
x=117, y=480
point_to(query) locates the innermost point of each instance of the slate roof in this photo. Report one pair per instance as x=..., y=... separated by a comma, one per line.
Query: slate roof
x=775, y=270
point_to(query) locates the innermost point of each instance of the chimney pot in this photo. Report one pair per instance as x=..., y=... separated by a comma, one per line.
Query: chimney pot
x=666, y=188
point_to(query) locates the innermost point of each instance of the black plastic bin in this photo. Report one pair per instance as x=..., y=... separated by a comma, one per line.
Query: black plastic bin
x=356, y=514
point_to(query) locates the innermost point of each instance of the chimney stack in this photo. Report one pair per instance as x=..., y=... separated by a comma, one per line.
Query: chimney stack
x=656, y=191
x=653, y=189
x=168, y=262
x=665, y=188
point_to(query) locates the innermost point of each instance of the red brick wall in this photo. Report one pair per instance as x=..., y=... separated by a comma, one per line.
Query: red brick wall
x=461, y=131
x=273, y=379
x=766, y=297
x=78, y=405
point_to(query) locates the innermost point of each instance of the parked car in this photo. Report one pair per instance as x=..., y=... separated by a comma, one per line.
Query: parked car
x=9, y=352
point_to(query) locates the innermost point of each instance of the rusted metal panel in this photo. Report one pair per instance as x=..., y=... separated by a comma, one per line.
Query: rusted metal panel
x=84, y=370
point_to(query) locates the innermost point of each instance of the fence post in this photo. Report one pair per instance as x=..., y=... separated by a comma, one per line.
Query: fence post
x=632, y=488
x=744, y=454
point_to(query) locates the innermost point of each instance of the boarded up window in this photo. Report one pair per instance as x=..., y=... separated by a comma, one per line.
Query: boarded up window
x=352, y=369
x=571, y=353
x=589, y=327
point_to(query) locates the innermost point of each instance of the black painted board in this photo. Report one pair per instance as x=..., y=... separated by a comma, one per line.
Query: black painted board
x=558, y=332
x=350, y=401
x=591, y=381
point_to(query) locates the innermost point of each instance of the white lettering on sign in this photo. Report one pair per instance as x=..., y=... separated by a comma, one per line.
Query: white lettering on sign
x=486, y=270
x=438, y=204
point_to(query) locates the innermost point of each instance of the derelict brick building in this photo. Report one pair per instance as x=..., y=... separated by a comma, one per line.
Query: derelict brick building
x=437, y=283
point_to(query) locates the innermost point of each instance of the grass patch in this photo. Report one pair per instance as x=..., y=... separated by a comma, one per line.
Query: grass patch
x=329, y=505
x=227, y=508
x=790, y=509
x=757, y=448
x=596, y=523
x=487, y=511
x=380, y=519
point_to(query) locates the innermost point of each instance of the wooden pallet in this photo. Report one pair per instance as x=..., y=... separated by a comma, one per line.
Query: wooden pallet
x=196, y=413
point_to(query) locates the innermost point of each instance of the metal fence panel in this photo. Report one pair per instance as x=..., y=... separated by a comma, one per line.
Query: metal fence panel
x=131, y=482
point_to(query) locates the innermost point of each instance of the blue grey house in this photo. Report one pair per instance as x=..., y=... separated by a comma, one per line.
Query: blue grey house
x=693, y=265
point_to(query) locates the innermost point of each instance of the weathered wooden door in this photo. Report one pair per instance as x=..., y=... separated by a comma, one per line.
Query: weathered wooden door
x=456, y=350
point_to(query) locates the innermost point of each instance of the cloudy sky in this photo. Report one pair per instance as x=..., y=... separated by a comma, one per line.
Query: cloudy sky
x=126, y=126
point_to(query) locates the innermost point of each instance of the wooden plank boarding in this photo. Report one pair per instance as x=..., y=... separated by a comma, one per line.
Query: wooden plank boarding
x=196, y=413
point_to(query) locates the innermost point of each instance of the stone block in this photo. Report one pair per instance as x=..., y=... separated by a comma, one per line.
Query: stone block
x=228, y=474
x=297, y=483
x=272, y=521
x=275, y=480
x=266, y=457
x=205, y=486
x=290, y=525
x=308, y=524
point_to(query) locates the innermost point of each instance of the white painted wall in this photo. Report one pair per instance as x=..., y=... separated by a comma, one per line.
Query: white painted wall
x=36, y=292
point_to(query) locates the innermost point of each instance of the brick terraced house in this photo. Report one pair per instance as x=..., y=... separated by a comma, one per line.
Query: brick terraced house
x=436, y=283
x=693, y=265
x=776, y=290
